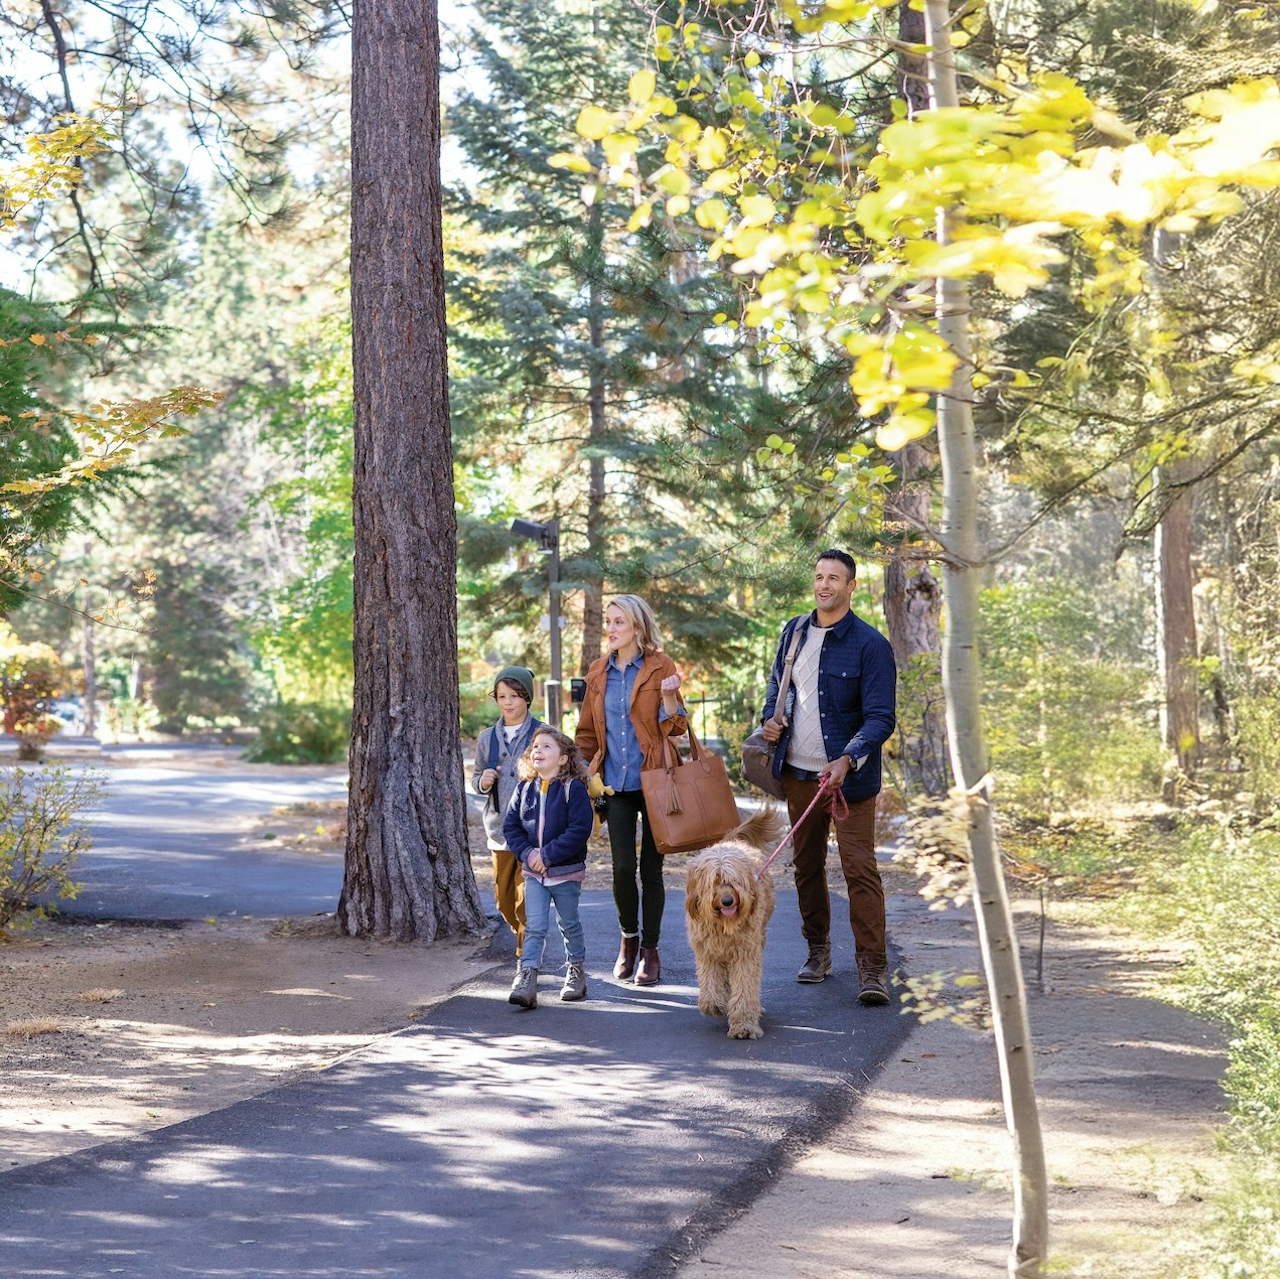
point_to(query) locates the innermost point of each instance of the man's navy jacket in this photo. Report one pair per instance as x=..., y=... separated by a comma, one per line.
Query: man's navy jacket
x=857, y=691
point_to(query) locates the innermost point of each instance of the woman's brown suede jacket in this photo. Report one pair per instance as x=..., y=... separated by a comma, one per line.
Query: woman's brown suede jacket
x=646, y=702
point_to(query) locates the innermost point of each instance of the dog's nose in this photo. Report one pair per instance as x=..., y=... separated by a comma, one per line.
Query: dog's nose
x=726, y=899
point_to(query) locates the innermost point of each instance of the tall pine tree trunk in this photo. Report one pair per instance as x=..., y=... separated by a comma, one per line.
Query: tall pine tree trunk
x=593, y=602
x=1176, y=615
x=408, y=873
x=961, y=678
x=912, y=595
x=913, y=610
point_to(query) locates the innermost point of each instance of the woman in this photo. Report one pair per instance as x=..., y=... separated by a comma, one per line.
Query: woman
x=629, y=710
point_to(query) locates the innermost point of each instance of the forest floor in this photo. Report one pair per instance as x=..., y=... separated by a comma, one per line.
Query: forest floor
x=915, y=1184
x=114, y=1029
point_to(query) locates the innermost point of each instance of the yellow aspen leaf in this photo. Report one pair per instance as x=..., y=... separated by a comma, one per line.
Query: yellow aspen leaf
x=678, y=205
x=685, y=129
x=641, y=217
x=619, y=147
x=714, y=215
x=752, y=59
x=756, y=210
x=712, y=149
x=562, y=160
x=673, y=181
x=641, y=86
x=594, y=122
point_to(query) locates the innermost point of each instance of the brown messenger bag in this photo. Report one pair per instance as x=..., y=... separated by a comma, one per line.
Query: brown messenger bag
x=757, y=753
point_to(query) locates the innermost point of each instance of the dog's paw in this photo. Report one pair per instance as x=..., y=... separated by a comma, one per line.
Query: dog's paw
x=753, y=1031
x=708, y=1009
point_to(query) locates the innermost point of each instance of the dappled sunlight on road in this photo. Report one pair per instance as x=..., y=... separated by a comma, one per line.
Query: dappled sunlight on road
x=630, y=1113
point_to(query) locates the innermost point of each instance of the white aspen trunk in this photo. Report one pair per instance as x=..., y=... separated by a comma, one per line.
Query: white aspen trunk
x=960, y=672
x=89, y=706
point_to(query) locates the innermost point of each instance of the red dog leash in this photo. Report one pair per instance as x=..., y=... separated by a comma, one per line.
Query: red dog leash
x=787, y=838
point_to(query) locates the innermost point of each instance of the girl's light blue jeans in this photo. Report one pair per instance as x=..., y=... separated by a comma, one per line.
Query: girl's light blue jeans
x=537, y=916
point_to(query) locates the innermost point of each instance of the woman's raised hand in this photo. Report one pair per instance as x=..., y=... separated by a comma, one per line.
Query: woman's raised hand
x=672, y=683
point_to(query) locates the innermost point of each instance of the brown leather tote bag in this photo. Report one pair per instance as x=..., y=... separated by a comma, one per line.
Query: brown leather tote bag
x=690, y=802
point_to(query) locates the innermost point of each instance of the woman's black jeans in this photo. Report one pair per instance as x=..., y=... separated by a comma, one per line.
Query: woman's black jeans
x=624, y=808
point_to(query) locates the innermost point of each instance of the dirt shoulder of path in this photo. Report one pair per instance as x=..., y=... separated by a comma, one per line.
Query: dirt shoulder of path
x=110, y=1030
x=915, y=1184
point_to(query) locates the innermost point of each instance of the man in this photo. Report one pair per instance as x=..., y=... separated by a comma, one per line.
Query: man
x=839, y=712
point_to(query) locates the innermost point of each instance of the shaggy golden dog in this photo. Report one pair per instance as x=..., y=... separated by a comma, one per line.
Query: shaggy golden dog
x=727, y=907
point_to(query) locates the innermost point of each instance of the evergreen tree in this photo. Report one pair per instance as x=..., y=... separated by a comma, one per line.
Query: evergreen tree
x=602, y=362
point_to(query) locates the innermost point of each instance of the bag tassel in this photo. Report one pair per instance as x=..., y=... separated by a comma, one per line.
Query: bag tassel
x=674, y=807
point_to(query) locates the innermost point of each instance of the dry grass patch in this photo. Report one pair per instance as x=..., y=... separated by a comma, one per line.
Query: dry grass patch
x=34, y=1026
x=99, y=995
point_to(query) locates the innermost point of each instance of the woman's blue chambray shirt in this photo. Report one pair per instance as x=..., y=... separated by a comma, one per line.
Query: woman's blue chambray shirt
x=623, y=757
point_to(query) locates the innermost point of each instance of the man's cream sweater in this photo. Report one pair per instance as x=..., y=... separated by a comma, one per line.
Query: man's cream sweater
x=805, y=748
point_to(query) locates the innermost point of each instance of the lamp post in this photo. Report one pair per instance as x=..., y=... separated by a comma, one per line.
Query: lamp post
x=547, y=537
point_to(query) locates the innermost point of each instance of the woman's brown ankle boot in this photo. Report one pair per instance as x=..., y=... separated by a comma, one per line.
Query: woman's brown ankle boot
x=627, y=952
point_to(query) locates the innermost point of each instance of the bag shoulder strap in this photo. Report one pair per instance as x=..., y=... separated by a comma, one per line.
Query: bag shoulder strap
x=494, y=738
x=784, y=683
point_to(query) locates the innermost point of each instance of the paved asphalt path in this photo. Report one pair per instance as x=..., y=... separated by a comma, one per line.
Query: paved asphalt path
x=604, y=1139
x=167, y=843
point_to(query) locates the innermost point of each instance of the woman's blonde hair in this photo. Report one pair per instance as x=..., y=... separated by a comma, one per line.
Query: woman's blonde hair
x=571, y=765
x=641, y=617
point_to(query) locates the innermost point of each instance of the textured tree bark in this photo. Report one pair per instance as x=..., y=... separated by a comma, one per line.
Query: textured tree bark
x=408, y=872
x=961, y=676
x=913, y=610
x=593, y=602
x=1176, y=615
x=913, y=70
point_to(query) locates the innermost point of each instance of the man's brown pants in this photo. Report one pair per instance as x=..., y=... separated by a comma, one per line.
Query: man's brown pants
x=508, y=888
x=856, y=840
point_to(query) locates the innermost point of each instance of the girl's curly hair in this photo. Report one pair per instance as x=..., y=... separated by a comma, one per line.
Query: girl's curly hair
x=571, y=766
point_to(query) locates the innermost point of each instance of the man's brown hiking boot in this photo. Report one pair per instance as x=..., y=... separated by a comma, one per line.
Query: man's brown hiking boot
x=818, y=966
x=873, y=984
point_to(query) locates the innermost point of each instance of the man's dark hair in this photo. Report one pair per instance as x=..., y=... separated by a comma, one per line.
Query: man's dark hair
x=841, y=557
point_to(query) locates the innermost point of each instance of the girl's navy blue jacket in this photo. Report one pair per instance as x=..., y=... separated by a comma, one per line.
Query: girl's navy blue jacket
x=566, y=825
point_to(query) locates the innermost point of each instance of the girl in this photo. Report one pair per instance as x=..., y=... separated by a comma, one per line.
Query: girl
x=631, y=706
x=498, y=752
x=547, y=826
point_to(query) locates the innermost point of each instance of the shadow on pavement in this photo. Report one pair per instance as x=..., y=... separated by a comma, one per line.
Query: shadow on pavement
x=606, y=1138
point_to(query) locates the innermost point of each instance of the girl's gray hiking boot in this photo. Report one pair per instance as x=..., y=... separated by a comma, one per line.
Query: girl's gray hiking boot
x=575, y=984
x=524, y=990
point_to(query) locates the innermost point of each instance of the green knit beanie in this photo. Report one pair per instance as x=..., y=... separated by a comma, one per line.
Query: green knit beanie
x=520, y=675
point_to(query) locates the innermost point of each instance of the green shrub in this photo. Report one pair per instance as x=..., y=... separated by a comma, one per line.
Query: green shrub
x=1212, y=886
x=302, y=733
x=1071, y=718
x=477, y=709
x=42, y=834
